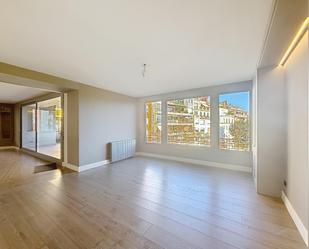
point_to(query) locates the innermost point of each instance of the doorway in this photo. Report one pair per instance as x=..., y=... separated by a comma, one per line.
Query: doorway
x=42, y=127
x=6, y=124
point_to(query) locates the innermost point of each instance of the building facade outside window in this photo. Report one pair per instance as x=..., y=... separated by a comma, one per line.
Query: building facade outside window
x=188, y=121
x=153, y=122
x=234, y=121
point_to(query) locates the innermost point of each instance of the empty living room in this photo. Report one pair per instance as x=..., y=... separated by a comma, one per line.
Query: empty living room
x=154, y=124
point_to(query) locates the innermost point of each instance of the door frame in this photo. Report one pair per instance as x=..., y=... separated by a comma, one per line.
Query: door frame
x=35, y=152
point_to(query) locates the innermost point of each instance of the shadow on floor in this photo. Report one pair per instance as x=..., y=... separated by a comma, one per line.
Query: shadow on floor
x=43, y=168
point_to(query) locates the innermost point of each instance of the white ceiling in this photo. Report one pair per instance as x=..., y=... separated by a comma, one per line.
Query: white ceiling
x=11, y=94
x=185, y=43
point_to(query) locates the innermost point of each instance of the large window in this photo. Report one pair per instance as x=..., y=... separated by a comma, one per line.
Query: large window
x=234, y=121
x=153, y=122
x=188, y=121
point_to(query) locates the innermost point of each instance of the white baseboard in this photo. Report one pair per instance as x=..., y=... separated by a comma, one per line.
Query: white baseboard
x=86, y=166
x=93, y=165
x=9, y=147
x=199, y=162
x=70, y=166
x=300, y=226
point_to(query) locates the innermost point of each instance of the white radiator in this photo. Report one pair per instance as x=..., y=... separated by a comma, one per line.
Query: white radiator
x=122, y=149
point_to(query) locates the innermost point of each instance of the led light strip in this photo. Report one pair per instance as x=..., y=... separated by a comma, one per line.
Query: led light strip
x=295, y=41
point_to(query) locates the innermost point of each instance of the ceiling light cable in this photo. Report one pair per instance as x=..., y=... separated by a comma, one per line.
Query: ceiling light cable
x=144, y=70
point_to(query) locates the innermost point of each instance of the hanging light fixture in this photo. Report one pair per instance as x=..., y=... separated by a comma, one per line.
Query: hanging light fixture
x=144, y=69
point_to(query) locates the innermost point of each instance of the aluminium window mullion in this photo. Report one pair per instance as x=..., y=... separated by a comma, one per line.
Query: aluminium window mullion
x=36, y=126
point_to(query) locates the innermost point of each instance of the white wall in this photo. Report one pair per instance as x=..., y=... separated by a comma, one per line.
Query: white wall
x=270, y=131
x=212, y=153
x=254, y=130
x=282, y=133
x=104, y=117
x=297, y=172
x=73, y=127
x=282, y=111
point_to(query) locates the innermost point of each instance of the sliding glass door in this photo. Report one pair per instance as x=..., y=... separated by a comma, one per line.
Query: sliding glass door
x=42, y=127
x=28, y=128
x=49, y=127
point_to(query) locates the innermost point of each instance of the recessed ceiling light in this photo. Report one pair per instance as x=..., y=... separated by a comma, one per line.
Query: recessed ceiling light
x=297, y=38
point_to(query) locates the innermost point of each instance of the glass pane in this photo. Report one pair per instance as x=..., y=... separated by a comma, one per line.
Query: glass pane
x=49, y=127
x=28, y=127
x=234, y=121
x=153, y=122
x=188, y=121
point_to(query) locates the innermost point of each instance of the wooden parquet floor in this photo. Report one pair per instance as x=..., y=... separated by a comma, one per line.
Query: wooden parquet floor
x=17, y=167
x=143, y=203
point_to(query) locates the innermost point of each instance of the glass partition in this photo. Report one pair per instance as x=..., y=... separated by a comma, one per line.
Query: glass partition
x=28, y=128
x=42, y=127
x=49, y=127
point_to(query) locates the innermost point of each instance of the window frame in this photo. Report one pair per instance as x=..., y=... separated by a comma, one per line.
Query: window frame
x=214, y=94
x=249, y=91
x=210, y=119
x=145, y=121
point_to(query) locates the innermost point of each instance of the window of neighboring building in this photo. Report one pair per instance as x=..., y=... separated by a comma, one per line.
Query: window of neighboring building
x=153, y=122
x=235, y=121
x=188, y=121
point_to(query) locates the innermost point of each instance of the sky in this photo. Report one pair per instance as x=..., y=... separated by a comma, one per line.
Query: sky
x=240, y=99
